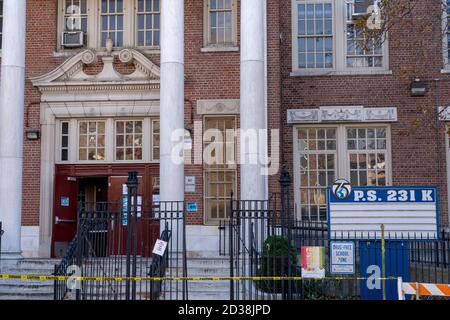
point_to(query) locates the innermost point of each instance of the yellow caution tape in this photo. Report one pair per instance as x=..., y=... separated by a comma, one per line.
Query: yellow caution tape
x=84, y=278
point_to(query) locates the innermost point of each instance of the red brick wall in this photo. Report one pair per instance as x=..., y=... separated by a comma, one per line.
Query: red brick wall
x=208, y=76
x=418, y=154
x=418, y=149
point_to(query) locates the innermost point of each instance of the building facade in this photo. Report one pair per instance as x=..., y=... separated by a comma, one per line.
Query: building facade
x=101, y=93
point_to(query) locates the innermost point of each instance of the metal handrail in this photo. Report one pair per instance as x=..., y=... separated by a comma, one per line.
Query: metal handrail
x=1, y=234
x=159, y=264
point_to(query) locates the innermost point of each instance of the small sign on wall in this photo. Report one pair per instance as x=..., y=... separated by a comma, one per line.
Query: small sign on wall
x=189, y=184
x=192, y=207
x=65, y=201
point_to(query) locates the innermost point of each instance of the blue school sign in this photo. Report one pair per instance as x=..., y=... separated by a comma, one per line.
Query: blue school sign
x=358, y=212
x=406, y=212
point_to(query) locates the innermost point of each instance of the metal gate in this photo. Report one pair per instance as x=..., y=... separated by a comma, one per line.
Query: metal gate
x=116, y=240
x=263, y=239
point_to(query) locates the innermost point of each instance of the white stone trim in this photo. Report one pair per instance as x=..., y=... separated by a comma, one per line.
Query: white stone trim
x=102, y=109
x=219, y=49
x=222, y=106
x=48, y=139
x=342, y=114
x=30, y=241
x=69, y=76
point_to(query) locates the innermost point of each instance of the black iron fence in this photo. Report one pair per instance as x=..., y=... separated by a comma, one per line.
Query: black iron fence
x=262, y=242
x=116, y=240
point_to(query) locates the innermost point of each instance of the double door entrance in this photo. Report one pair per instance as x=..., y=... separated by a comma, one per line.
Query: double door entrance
x=98, y=188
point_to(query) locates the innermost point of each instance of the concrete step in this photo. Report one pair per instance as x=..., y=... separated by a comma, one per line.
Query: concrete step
x=208, y=286
x=210, y=263
x=209, y=296
x=26, y=296
x=204, y=254
x=208, y=272
x=16, y=282
x=38, y=272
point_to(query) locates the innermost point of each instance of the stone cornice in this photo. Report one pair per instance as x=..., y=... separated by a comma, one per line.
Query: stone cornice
x=342, y=114
x=69, y=76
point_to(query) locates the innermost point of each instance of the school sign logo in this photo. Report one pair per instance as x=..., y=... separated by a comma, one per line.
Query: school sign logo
x=341, y=189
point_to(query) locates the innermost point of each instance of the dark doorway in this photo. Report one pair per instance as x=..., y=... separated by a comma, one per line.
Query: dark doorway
x=93, y=190
x=93, y=194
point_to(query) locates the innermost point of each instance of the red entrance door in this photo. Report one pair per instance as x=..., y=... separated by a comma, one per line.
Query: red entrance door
x=64, y=213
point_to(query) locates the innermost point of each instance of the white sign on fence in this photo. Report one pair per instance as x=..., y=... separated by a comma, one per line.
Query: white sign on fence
x=160, y=247
x=404, y=212
x=342, y=257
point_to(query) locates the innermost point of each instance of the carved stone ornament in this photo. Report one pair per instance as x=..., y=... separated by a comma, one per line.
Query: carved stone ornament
x=225, y=106
x=342, y=114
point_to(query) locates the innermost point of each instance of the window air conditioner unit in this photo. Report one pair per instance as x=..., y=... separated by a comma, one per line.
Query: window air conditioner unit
x=72, y=39
x=360, y=7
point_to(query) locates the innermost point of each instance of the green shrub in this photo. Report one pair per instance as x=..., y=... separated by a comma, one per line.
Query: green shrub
x=275, y=263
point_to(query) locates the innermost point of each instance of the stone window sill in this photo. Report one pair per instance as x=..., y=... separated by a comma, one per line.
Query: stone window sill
x=219, y=49
x=315, y=73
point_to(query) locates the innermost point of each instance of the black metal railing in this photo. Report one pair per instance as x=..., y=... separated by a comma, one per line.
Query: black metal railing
x=112, y=244
x=117, y=240
x=61, y=288
x=262, y=243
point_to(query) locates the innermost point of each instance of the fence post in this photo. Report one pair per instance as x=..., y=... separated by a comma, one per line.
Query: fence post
x=132, y=184
x=286, y=221
x=285, y=183
x=230, y=236
x=383, y=262
x=401, y=296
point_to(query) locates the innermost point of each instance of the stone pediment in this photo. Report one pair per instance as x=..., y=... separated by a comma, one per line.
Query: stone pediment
x=71, y=76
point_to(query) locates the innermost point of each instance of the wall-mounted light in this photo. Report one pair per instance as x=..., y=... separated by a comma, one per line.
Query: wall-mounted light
x=33, y=134
x=418, y=88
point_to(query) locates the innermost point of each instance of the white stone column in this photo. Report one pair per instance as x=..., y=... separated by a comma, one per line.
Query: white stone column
x=11, y=125
x=172, y=120
x=253, y=180
x=172, y=100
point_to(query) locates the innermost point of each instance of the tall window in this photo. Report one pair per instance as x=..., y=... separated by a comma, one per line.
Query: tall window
x=361, y=51
x=315, y=35
x=327, y=39
x=220, y=22
x=128, y=140
x=359, y=154
x=91, y=140
x=148, y=23
x=76, y=17
x=219, y=169
x=112, y=15
x=155, y=140
x=318, y=156
x=64, y=141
